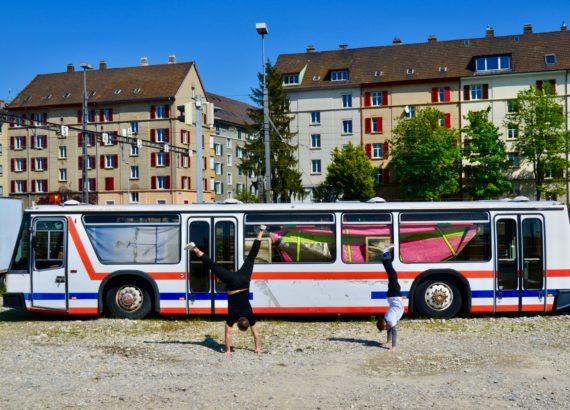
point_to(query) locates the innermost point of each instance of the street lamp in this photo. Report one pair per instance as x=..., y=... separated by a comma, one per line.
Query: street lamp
x=262, y=29
x=85, y=184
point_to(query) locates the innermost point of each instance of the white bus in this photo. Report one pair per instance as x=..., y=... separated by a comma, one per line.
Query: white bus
x=451, y=258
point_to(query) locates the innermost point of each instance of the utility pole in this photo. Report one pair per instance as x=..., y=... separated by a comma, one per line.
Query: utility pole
x=262, y=29
x=199, y=161
x=85, y=180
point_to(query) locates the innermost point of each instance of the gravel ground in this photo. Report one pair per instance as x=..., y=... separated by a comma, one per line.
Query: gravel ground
x=308, y=363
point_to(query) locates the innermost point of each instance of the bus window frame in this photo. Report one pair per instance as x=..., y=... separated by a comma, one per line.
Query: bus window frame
x=389, y=222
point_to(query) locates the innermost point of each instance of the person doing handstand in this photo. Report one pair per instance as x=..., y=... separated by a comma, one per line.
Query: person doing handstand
x=237, y=283
x=395, y=307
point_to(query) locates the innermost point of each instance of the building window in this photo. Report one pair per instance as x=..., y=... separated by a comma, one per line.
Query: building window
x=315, y=117
x=376, y=98
x=217, y=129
x=19, y=164
x=218, y=167
x=289, y=79
x=41, y=164
x=134, y=172
x=160, y=159
x=39, y=141
x=440, y=94
x=377, y=151
x=20, y=187
x=41, y=185
x=134, y=150
x=229, y=142
x=19, y=143
x=63, y=174
x=218, y=149
x=511, y=106
x=229, y=178
x=160, y=111
x=161, y=182
x=110, y=161
x=347, y=126
x=229, y=160
x=62, y=152
x=134, y=197
x=239, y=131
x=346, y=100
x=514, y=159
x=491, y=63
x=476, y=92
x=550, y=59
x=315, y=166
x=135, y=127
x=315, y=141
x=410, y=111
x=339, y=75
x=219, y=188
x=512, y=132
x=160, y=135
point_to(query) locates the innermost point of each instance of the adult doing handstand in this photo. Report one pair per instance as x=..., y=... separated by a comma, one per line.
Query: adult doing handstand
x=237, y=283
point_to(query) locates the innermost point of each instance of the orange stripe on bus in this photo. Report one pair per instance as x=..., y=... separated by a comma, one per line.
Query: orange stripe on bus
x=481, y=309
x=352, y=275
x=82, y=252
x=555, y=273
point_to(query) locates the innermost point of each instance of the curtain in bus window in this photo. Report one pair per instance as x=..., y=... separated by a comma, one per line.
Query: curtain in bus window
x=136, y=244
x=443, y=242
x=364, y=243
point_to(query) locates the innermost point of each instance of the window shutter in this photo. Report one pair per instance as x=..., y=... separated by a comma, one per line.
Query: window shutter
x=368, y=125
x=111, y=114
x=539, y=84
x=167, y=134
x=101, y=115
x=33, y=185
x=434, y=95
x=153, y=159
x=182, y=136
x=80, y=139
x=116, y=161
x=92, y=184
x=92, y=139
x=152, y=112
x=92, y=116
x=368, y=149
x=385, y=150
x=13, y=186
x=80, y=184
x=44, y=141
x=102, y=161
x=168, y=182
x=384, y=97
x=182, y=182
x=25, y=186
x=80, y=162
x=447, y=120
x=79, y=116
x=153, y=135
x=152, y=182
x=386, y=176
x=12, y=166
x=466, y=93
x=379, y=124
x=167, y=159
x=24, y=164
x=45, y=164
x=24, y=142
x=33, y=141
x=11, y=143
x=33, y=164
x=485, y=91
x=447, y=93
x=115, y=137
x=44, y=120
x=166, y=111
x=367, y=99
x=552, y=87
x=46, y=185
x=109, y=183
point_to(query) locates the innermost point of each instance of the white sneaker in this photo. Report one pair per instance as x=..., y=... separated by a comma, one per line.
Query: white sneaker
x=262, y=227
x=388, y=248
x=190, y=246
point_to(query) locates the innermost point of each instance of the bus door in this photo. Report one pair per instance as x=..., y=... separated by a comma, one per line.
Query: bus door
x=217, y=238
x=520, y=282
x=49, y=270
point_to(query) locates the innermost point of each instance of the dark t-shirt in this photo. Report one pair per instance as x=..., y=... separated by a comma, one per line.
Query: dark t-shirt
x=239, y=306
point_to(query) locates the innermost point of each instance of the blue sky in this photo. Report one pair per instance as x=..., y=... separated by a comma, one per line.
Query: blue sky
x=41, y=37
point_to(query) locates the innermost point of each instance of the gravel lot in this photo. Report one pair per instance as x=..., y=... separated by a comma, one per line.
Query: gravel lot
x=308, y=363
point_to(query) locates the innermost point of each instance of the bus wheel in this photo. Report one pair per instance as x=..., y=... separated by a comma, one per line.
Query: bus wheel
x=438, y=298
x=129, y=301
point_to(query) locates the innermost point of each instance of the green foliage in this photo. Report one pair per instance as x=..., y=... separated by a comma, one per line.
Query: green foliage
x=246, y=197
x=285, y=177
x=542, y=141
x=350, y=174
x=426, y=157
x=487, y=163
x=325, y=192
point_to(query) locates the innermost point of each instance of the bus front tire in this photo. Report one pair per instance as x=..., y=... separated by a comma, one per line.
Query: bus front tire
x=129, y=301
x=438, y=298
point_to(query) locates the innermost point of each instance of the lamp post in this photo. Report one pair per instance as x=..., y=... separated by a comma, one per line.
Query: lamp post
x=262, y=29
x=85, y=181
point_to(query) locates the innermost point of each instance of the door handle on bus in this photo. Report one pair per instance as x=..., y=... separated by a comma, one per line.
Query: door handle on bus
x=60, y=279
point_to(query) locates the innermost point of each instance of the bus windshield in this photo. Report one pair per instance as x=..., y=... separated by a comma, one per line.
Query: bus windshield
x=21, y=257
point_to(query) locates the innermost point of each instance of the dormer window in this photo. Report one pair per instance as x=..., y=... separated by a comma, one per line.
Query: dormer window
x=410, y=71
x=290, y=79
x=137, y=91
x=92, y=93
x=492, y=63
x=550, y=59
x=339, y=75
x=117, y=91
x=66, y=95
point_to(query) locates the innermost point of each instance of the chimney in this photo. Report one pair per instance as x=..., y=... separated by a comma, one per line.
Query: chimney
x=144, y=60
x=489, y=32
x=310, y=48
x=527, y=29
x=171, y=59
x=343, y=46
x=102, y=65
x=70, y=68
x=432, y=38
x=396, y=40
x=563, y=26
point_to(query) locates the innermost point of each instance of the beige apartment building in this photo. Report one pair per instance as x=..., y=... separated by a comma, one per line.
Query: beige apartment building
x=3, y=156
x=140, y=102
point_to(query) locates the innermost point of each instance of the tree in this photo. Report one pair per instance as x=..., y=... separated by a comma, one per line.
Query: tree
x=426, y=156
x=285, y=178
x=325, y=192
x=542, y=140
x=487, y=163
x=247, y=197
x=350, y=174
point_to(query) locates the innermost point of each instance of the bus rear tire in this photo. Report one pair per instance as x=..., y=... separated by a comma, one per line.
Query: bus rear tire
x=129, y=300
x=438, y=298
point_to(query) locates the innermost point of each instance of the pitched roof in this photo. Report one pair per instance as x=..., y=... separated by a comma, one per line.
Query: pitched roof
x=231, y=111
x=157, y=81
x=393, y=61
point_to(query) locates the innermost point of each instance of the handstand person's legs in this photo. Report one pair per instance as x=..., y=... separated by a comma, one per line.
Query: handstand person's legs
x=393, y=285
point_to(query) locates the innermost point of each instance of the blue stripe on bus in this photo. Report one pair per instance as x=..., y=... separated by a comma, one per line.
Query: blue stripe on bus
x=197, y=296
x=384, y=295
x=480, y=294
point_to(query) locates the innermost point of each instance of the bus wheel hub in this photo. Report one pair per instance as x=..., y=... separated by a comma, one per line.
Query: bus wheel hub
x=129, y=298
x=439, y=296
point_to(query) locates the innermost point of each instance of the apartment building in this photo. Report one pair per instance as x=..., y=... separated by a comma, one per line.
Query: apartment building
x=391, y=83
x=141, y=101
x=230, y=120
x=3, y=156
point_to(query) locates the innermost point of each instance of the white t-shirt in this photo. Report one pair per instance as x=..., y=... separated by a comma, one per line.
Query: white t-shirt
x=395, y=311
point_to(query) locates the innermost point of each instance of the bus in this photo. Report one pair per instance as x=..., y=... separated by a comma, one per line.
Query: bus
x=452, y=258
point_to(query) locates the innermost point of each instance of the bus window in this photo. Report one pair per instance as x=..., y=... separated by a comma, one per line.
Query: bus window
x=445, y=237
x=532, y=254
x=364, y=236
x=21, y=258
x=224, y=239
x=293, y=238
x=49, y=244
x=507, y=254
x=199, y=277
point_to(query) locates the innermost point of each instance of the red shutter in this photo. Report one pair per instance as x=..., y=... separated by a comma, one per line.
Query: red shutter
x=102, y=161
x=182, y=136
x=447, y=120
x=80, y=184
x=168, y=182
x=109, y=182
x=447, y=94
x=167, y=135
x=80, y=162
x=152, y=182
x=80, y=139
x=33, y=141
x=12, y=186
x=46, y=185
x=386, y=176
x=434, y=94
x=92, y=116
x=44, y=120
x=166, y=111
x=45, y=164
x=24, y=164
x=24, y=142
x=44, y=141
x=539, y=84
x=12, y=166
x=485, y=91
x=110, y=114
x=101, y=115
x=116, y=161
x=379, y=124
x=167, y=155
x=153, y=159
x=368, y=149
x=92, y=139
x=115, y=137
x=466, y=93
x=12, y=143
x=153, y=135
x=384, y=97
x=152, y=112
x=367, y=125
x=93, y=184
x=79, y=116
x=25, y=186
x=385, y=150
x=33, y=185
x=33, y=164
x=182, y=182
x=367, y=99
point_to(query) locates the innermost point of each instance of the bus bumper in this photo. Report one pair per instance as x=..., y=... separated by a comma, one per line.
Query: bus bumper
x=14, y=300
x=562, y=300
